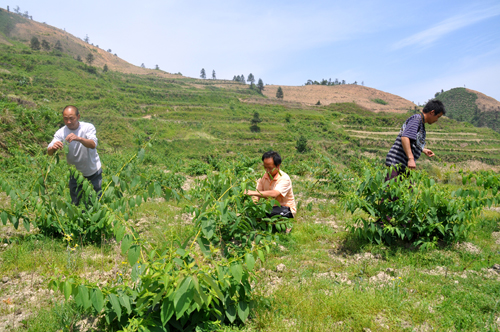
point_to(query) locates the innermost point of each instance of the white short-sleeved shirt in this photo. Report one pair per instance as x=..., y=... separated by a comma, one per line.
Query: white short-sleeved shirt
x=281, y=183
x=85, y=160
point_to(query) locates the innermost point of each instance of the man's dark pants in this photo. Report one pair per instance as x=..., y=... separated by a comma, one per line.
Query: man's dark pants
x=75, y=189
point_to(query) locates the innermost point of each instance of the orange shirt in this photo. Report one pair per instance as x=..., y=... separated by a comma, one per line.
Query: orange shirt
x=281, y=183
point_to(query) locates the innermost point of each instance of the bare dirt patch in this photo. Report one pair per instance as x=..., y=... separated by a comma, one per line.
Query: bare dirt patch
x=486, y=103
x=361, y=95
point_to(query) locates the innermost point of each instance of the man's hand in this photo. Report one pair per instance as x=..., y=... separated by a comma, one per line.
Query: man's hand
x=58, y=145
x=428, y=153
x=412, y=164
x=72, y=137
x=88, y=143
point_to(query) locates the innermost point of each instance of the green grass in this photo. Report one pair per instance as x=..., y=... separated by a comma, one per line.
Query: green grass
x=326, y=283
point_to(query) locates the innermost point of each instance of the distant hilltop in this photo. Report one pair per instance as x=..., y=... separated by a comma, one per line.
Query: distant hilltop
x=368, y=98
x=471, y=106
x=19, y=28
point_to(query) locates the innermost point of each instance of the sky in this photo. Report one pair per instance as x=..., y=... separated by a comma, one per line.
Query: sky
x=409, y=48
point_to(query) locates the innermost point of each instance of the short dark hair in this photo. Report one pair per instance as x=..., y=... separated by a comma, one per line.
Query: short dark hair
x=272, y=154
x=434, y=105
x=71, y=106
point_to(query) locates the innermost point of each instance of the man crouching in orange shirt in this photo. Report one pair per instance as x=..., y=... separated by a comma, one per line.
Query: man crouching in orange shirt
x=275, y=184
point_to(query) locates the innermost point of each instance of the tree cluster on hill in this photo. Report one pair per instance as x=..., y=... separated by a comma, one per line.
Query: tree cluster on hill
x=17, y=10
x=36, y=45
x=330, y=82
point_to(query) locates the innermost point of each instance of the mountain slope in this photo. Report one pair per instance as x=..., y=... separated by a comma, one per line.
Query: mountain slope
x=471, y=106
x=369, y=98
x=17, y=28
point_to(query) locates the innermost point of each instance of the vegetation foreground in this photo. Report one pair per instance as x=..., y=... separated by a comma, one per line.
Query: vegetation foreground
x=175, y=245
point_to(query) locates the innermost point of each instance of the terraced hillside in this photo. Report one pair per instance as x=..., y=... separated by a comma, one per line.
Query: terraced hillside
x=202, y=149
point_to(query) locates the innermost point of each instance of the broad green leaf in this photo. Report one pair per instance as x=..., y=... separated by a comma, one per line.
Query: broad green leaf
x=119, y=232
x=236, y=272
x=183, y=296
x=83, y=292
x=208, y=227
x=125, y=301
x=261, y=255
x=138, y=200
x=115, y=303
x=14, y=221
x=26, y=224
x=126, y=243
x=133, y=254
x=231, y=313
x=212, y=283
x=167, y=311
x=4, y=216
x=68, y=289
x=97, y=299
x=250, y=261
x=204, y=246
x=243, y=310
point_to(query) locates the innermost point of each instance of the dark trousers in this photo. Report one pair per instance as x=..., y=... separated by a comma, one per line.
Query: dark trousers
x=75, y=189
x=283, y=211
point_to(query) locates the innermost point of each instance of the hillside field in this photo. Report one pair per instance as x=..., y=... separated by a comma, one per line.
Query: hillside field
x=175, y=245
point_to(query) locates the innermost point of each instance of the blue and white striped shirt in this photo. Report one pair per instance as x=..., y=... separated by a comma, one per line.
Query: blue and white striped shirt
x=414, y=129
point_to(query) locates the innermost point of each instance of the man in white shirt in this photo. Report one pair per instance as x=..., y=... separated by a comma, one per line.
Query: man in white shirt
x=82, y=141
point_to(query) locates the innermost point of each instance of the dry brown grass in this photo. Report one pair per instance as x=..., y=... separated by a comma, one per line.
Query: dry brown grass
x=361, y=95
x=485, y=103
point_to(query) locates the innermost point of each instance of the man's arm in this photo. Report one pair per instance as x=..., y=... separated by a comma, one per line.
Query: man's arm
x=88, y=143
x=263, y=194
x=405, y=141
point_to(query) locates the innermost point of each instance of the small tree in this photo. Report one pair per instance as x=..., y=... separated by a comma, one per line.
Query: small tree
x=213, y=75
x=203, y=75
x=17, y=10
x=242, y=79
x=143, y=65
x=260, y=85
x=279, y=93
x=89, y=58
x=301, y=145
x=255, y=123
x=288, y=117
x=35, y=43
x=86, y=39
x=45, y=45
x=157, y=67
x=251, y=79
x=79, y=58
x=105, y=68
x=109, y=50
x=58, y=46
x=318, y=103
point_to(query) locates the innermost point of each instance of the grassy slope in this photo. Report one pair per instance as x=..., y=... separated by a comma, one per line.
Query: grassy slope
x=330, y=281
x=461, y=106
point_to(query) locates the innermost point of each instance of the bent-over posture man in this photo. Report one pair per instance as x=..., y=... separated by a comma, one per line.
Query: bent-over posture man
x=410, y=142
x=275, y=184
x=82, y=141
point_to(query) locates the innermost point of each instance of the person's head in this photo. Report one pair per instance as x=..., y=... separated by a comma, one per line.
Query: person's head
x=272, y=162
x=433, y=110
x=71, y=117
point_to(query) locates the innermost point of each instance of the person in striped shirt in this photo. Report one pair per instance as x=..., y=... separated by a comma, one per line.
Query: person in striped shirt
x=410, y=142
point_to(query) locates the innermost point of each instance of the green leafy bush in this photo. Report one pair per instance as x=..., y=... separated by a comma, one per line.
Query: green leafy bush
x=414, y=209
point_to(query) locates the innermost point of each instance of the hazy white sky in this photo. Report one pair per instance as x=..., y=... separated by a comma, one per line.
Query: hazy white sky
x=409, y=48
